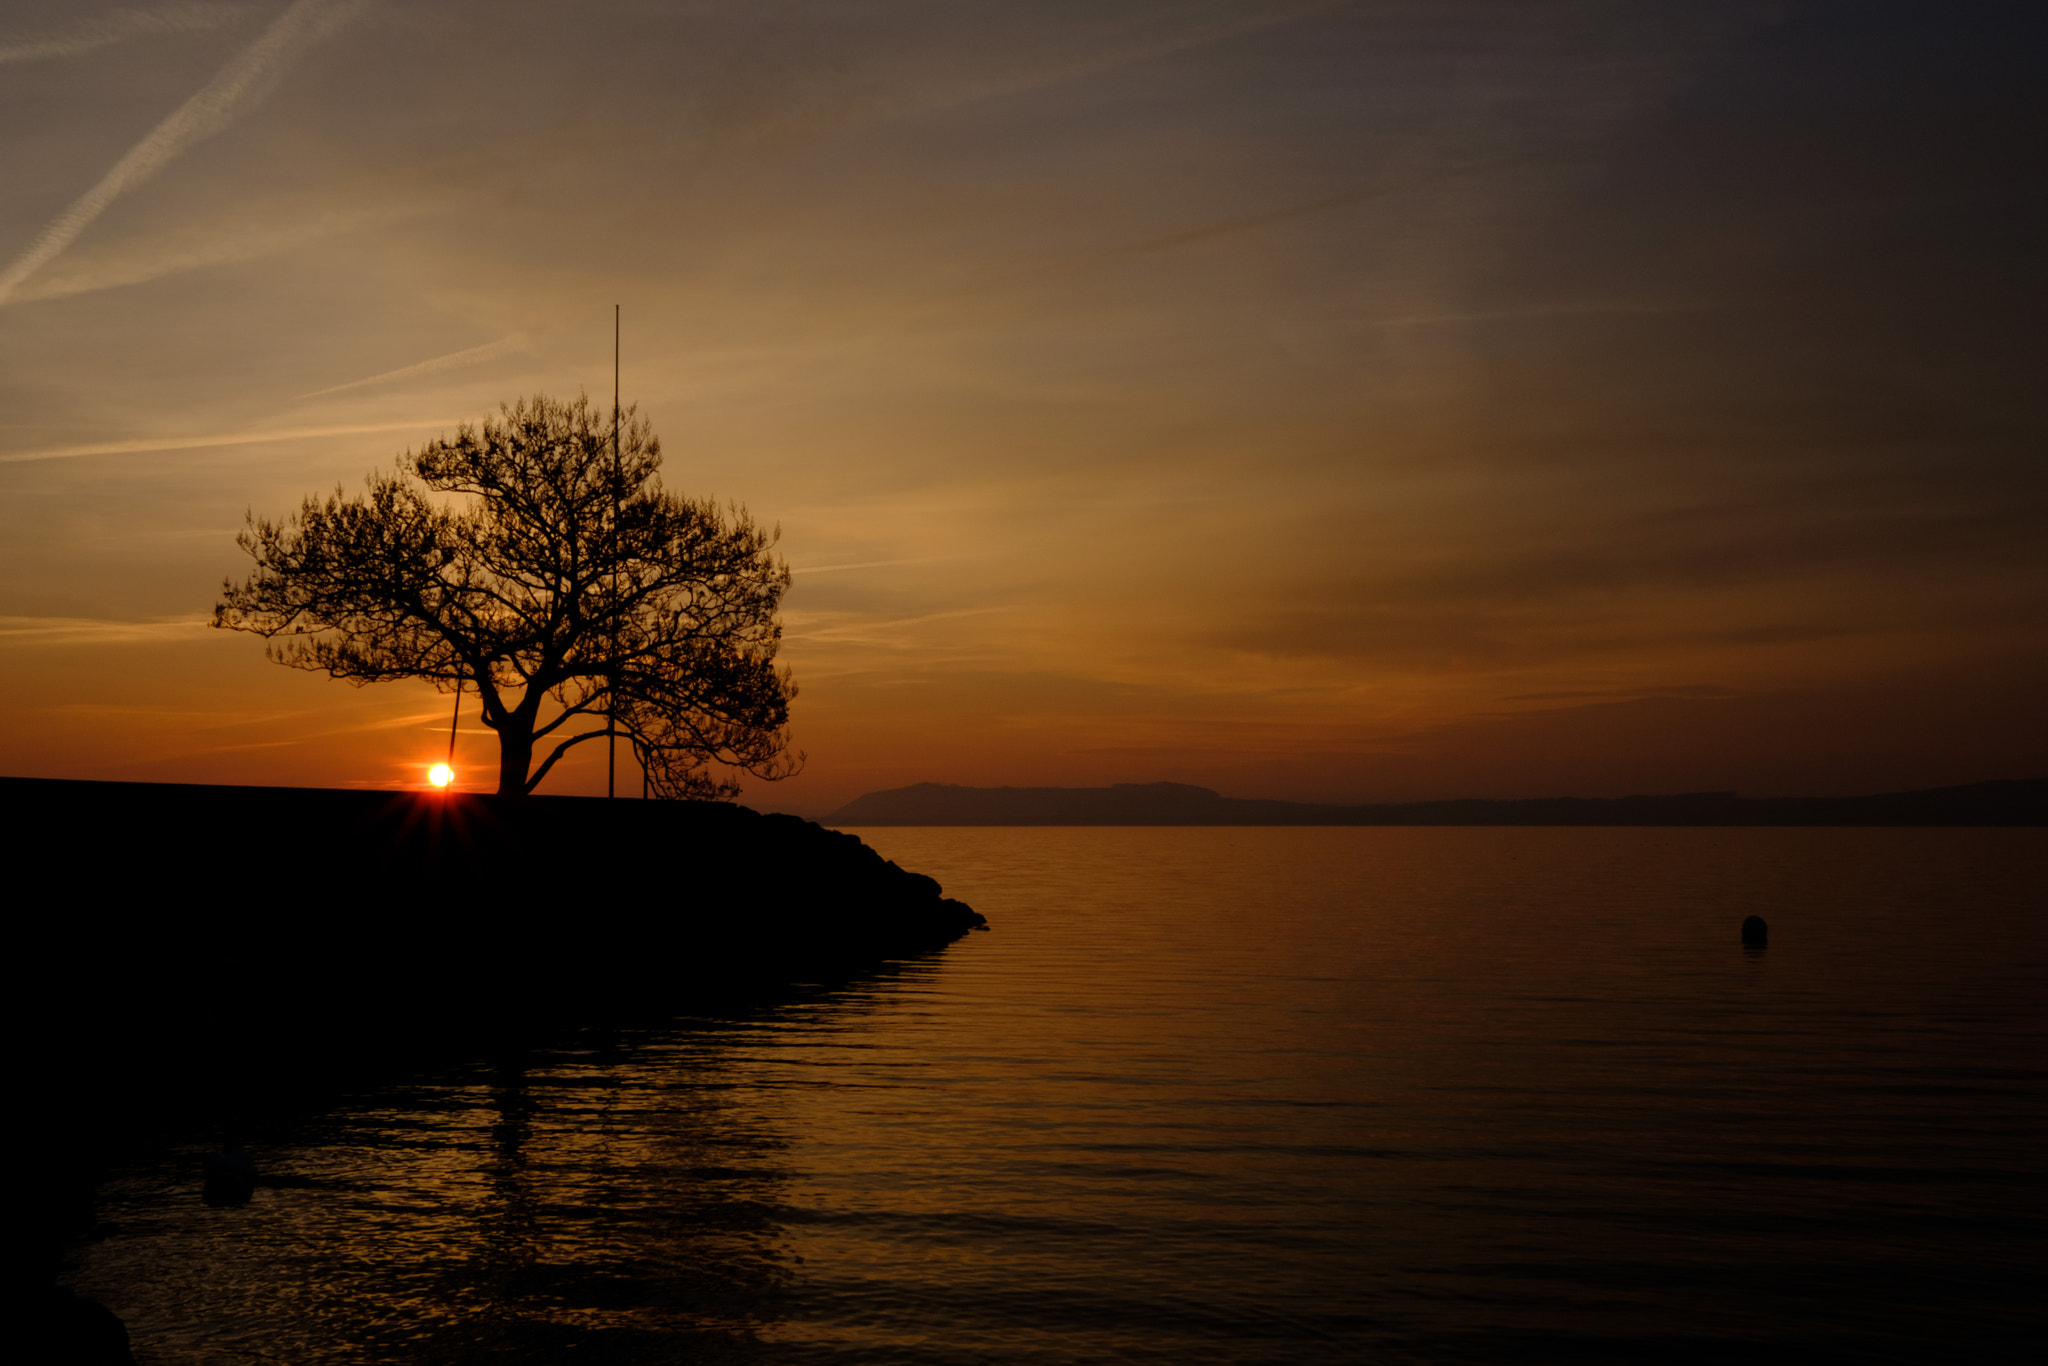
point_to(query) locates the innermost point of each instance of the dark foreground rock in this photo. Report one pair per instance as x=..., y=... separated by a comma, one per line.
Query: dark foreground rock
x=186, y=954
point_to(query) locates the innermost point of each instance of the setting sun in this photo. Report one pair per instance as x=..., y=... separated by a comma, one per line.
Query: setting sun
x=440, y=775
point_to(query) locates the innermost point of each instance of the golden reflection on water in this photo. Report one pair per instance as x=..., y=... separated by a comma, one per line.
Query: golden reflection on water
x=1218, y=1095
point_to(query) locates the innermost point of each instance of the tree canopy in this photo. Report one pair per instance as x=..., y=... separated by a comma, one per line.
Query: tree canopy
x=555, y=576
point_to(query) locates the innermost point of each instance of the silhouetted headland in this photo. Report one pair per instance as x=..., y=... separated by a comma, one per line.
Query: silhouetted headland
x=566, y=895
x=2021, y=801
x=194, y=931
x=190, y=954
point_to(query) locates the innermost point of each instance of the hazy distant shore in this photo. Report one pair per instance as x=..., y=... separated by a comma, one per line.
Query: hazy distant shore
x=2021, y=801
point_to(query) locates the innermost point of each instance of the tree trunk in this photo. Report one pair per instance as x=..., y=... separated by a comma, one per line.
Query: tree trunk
x=515, y=757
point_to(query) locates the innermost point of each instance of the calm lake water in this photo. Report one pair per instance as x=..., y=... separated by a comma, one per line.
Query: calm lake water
x=1219, y=1096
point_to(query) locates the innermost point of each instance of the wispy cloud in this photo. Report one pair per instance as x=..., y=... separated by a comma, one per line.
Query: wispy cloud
x=238, y=87
x=1591, y=308
x=186, y=443
x=773, y=87
x=115, y=26
x=91, y=631
x=1394, y=187
x=1172, y=29
x=843, y=628
x=455, y=360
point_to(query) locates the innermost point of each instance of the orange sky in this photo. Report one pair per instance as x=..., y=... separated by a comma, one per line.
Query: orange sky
x=1342, y=402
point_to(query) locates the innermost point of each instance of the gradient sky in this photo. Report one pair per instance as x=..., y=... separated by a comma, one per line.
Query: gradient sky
x=1329, y=401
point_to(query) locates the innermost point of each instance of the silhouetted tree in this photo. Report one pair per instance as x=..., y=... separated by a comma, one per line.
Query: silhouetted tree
x=521, y=582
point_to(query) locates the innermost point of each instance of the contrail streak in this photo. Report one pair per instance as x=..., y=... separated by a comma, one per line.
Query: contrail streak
x=188, y=443
x=107, y=29
x=454, y=360
x=88, y=631
x=251, y=230
x=864, y=564
x=240, y=85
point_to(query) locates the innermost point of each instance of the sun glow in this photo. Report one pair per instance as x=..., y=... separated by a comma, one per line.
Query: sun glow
x=440, y=775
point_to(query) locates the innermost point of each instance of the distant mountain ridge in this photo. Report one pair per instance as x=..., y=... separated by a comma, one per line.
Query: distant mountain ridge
x=2009, y=801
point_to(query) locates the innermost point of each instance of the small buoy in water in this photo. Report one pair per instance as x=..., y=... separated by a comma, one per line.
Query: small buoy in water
x=230, y=1174
x=1755, y=934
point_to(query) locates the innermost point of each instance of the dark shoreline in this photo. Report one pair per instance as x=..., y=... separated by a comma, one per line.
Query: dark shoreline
x=2006, y=802
x=207, y=958
x=772, y=891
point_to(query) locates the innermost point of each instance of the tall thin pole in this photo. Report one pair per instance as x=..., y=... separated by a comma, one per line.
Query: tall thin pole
x=611, y=698
x=451, y=725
